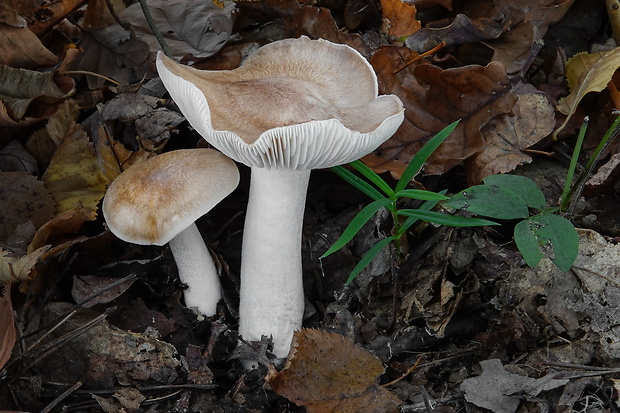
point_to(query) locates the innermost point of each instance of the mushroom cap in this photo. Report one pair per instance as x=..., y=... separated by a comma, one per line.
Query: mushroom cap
x=295, y=103
x=156, y=199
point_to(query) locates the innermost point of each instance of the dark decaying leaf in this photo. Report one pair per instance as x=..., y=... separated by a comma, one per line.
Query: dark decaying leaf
x=191, y=27
x=326, y=372
x=458, y=31
x=23, y=198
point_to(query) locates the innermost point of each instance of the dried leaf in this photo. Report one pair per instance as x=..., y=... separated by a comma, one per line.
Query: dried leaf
x=501, y=392
x=191, y=27
x=462, y=30
x=587, y=73
x=28, y=96
x=112, y=52
x=399, y=17
x=14, y=268
x=23, y=198
x=19, y=47
x=434, y=98
x=8, y=334
x=533, y=119
x=74, y=176
x=326, y=372
x=15, y=158
x=88, y=285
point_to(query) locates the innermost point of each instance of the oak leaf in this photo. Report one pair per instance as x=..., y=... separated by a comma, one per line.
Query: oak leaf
x=433, y=98
x=399, y=17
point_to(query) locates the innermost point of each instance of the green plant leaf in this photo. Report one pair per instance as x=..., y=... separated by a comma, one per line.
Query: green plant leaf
x=524, y=187
x=372, y=177
x=368, y=256
x=527, y=243
x=490, y=201
x=445, y=219
x=422, y=155
x=426, y=206
x=357, y=182
x=553, y=234
x=357, y=223
x=420, y=194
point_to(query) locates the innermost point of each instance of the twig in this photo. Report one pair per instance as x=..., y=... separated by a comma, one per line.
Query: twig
x=61, y=397
x=155, y=29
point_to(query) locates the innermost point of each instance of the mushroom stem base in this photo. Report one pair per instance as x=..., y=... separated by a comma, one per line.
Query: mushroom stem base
x=272, y=296
x=196, y=270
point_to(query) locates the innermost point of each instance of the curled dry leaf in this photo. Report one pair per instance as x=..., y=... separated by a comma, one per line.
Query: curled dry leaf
x=461, y=30
x=326, y=372
x=8, y=334
x=434, y=98
x=587, y=73
x=27, y=96
x=14, y=268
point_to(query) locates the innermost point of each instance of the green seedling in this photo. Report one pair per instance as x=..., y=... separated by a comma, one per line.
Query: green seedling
x=387, y=197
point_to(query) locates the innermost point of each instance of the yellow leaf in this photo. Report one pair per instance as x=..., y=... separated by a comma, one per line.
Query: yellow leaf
x=586, y=73
x=74, y=176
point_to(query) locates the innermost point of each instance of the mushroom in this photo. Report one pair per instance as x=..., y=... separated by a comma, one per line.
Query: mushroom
x=293, y=106
x=157, y=201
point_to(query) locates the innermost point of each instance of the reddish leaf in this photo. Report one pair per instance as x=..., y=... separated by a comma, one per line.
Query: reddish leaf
x=399, y=18
x=433, y=98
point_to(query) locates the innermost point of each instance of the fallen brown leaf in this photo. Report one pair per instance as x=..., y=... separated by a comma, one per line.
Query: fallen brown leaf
x=21, y=48
x=399, y=18
x=325, y=372
x=433, y=98
x=533, y=119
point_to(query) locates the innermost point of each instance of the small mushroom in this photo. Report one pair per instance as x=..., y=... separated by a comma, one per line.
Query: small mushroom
x=294, y=105
x=157, y=201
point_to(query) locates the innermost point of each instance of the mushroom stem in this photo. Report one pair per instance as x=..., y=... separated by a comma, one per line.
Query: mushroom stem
x=196, y=270
x=272, y=296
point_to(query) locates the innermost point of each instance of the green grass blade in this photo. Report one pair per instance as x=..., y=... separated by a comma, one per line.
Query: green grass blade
x=357, y=182
x=420, y=158
x=444, y=219
x=565, y=198
x=370, y=254
x=426, y=206
x=372, y=177
x=357, y=223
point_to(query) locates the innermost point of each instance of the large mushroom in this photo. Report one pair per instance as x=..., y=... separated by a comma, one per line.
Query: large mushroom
x=294, y=105
x=157, y=201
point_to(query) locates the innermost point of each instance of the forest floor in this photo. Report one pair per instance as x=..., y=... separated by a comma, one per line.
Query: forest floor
x=460, y=323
